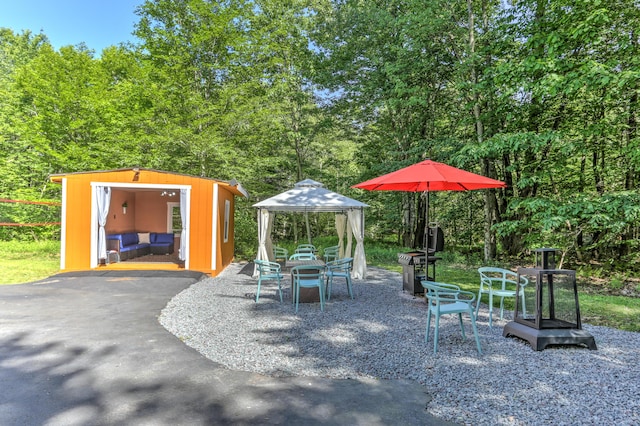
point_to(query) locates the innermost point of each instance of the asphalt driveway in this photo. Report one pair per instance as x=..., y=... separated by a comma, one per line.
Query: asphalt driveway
x=87, y=348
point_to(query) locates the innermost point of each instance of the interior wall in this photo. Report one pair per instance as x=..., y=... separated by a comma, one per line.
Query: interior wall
x=117, y=220
x=151, y=211
x=146, y=211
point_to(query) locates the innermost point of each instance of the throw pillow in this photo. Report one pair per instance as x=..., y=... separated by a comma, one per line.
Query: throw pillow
x=143, y=238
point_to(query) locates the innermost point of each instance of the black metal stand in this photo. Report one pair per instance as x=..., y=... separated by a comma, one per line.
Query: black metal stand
x=539, y=339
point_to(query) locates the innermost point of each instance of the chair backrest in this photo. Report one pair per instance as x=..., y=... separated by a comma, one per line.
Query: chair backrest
x=331, y=253
x=280, y=253
x=265, y=267
x=308, y=273
x=344, y=265
x=303, y=256
x=505, y=277
x=306, y=248
x=440, y=292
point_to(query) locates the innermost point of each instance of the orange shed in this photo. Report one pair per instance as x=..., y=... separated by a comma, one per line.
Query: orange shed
x=112, y=219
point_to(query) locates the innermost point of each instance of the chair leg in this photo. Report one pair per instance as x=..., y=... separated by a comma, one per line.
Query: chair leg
x=435, y=334
x=297, y=289
x=258, y=292
x=280, y=289
x=464, y=336
x=478, y=301
x=501, y=308
x=329, y=286
x=321, y=293
x=475, y=331
x=490, y=310
x=349, y=286
x=426, y=333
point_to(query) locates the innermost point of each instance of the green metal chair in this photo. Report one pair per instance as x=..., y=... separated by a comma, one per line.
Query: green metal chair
x=306, y=248
x=501, y=283
x=280, y=254
x=340, y=268
x=307, y=276
x=330, y=253
x=269, y=271
x=444, y=299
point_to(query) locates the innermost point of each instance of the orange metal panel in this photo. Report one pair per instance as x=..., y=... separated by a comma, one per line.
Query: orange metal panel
x=78, y=229
x=200, y=226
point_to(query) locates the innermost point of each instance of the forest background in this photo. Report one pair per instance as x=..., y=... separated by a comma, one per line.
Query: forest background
x=541, y=94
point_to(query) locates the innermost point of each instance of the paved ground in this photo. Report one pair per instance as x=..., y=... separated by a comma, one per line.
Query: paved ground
x=86, y=348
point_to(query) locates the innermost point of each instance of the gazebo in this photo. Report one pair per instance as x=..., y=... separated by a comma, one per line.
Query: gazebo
x=309, y=196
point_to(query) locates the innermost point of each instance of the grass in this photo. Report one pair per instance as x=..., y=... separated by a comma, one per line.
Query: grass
x=22, y=262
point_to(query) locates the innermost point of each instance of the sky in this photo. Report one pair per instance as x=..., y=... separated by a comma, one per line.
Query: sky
x=97, y=23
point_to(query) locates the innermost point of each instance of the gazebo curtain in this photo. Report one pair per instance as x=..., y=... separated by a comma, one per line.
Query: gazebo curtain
x=103, y=200
x=356, y=220
x=183, y=219
x=341, y=224
x=269, y=242
x=265, y=245
x=348, y=251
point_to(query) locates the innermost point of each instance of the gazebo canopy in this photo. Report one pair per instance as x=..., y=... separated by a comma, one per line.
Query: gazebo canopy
x=309, y=196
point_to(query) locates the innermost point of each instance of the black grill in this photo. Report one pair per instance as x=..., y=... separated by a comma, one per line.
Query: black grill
x=417, y=266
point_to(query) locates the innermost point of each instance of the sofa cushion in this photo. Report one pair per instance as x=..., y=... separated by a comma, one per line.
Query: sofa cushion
x=129, y=239
x=161, y=238
x=127, y=248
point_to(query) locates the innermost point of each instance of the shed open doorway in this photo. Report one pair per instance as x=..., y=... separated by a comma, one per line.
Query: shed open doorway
x=144, y=208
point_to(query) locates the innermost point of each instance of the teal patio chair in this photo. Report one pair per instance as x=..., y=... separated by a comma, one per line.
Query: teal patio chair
x=280, y=254
x=306, y=248
x=500, y=283
x=269, y=271
x=330, y=253
x=444, y=299
x=307, y=276
x=340, y=268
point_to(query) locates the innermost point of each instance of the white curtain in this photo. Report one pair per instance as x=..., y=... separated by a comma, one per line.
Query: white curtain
x=183, y=218
x=265, y=248
x=103, y=200
x=341, y=225
x=348, y=251
x=269, y=242
x=356, y=220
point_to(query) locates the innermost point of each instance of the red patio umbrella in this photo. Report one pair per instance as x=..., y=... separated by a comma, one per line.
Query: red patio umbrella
x=427, y=176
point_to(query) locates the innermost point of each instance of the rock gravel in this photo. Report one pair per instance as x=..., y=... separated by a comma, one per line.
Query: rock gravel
x=380, y=334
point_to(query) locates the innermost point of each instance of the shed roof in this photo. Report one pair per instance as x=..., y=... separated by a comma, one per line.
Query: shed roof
x=309, y=196
x=233, y=185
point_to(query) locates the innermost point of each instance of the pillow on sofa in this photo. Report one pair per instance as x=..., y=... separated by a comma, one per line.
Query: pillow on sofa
x=143, y=238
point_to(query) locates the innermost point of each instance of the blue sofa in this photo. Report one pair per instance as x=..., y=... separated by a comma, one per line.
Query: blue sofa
x=128, y=244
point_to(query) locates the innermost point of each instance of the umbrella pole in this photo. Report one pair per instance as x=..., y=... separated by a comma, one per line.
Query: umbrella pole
x=426, y=224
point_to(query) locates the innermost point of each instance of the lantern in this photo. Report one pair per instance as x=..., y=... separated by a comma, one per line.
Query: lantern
x=550, y=313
